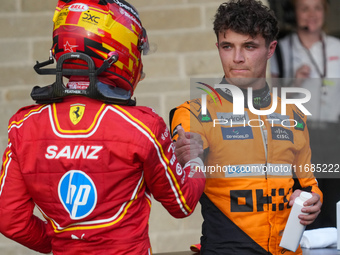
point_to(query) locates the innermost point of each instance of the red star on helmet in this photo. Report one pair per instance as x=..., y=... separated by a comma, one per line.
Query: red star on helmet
x=69, y=47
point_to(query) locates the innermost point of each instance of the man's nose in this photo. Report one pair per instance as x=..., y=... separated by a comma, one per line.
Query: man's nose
x=238, y=56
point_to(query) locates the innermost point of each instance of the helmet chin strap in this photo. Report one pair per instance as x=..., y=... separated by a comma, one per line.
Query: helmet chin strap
x=96, y=89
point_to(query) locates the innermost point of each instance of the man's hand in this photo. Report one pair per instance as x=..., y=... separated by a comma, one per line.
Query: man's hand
x=312, y=206
x=303, y=72
x=188, y=146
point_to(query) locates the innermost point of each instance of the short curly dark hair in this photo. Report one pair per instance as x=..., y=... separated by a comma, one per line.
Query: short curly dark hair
x=248, y=17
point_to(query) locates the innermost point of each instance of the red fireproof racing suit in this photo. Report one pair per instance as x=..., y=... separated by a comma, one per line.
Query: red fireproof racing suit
x=91, y=169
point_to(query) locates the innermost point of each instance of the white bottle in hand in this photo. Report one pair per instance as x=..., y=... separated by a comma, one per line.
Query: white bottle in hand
x=294, y=229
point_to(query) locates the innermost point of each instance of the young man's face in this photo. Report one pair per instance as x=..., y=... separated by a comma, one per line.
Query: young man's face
x=244, y=59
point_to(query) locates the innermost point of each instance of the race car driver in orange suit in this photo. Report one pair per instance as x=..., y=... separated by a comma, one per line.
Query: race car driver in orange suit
x=245, y=210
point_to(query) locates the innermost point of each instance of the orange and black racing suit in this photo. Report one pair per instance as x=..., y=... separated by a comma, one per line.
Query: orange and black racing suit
x=250, y=166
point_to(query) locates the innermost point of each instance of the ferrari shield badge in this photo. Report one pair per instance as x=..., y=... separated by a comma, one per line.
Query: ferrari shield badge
x=76, y=113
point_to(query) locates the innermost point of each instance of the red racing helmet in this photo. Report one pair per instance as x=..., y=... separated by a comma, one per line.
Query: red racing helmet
x=101, y=29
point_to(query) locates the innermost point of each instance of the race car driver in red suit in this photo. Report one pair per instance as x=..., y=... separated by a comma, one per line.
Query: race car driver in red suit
x=85, y=155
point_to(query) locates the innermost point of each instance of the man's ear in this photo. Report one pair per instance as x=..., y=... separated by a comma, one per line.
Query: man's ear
x=216, y=45
x=271, y=49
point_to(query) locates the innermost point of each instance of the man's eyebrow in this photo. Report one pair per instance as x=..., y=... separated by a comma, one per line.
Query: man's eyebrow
x=225, y=43
x=251, y=43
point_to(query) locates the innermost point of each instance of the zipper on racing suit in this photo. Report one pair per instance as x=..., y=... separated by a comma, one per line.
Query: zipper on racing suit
x=264, y=133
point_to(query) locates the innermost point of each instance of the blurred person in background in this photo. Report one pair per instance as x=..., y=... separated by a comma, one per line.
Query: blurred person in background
x=310, y=58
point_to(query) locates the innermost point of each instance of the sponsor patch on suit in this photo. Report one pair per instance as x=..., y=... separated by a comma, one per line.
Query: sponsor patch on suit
x=237, y=133
x=283, y=134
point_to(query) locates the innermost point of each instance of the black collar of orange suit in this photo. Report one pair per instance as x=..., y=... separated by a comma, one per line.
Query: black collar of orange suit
x=261, y=97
